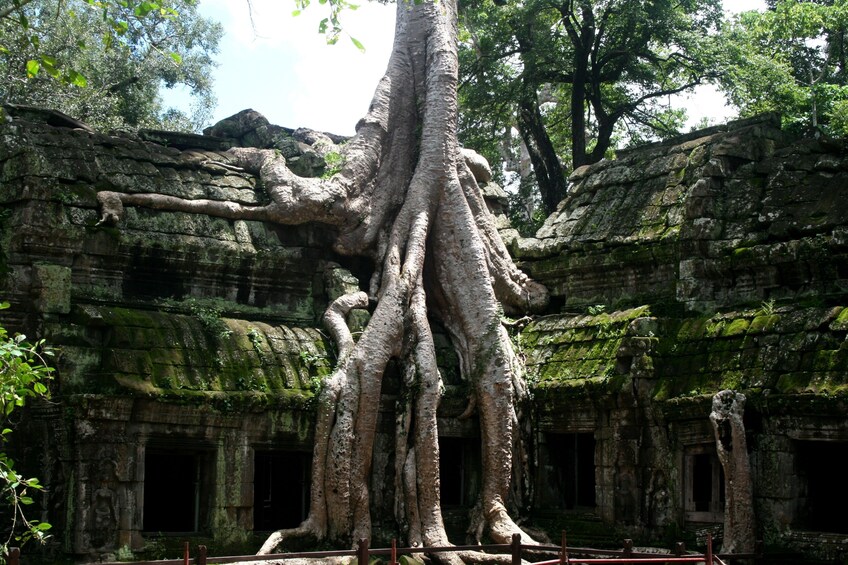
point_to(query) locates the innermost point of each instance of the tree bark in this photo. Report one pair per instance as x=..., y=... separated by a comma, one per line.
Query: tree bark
x=731, y=446
x=549, y=174
x=405, y=198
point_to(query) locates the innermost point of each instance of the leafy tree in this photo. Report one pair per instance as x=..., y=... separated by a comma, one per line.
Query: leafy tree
x=790, y=59
x=23, y=370
x=404, y=198
x=567, y=74
x=104, y=62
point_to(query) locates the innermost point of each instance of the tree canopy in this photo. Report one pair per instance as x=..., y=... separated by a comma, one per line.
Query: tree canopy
x=569, y=74
x=791, y=59
x=104, y=62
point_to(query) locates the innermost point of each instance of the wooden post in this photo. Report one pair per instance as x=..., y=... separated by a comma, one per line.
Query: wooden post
x=201, y=555
x=627, y=551
x=185, y=553
x=516, y=549
x=709, y=556
x=394, y=552
x=563, y=550
x=679, y=549
x=362, y=552
x=14, y=556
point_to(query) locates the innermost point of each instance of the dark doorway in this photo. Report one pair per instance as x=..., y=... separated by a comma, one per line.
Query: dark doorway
x=572, y=457
x=459, y=470
x=280, y=489
x=174, y=491
x=703, y=484
x=821, y=471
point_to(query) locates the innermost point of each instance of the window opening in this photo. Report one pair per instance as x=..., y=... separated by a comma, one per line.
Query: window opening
x=823, y=489
x=280, y=489
x=573, y=459
x=173, y=489
x=703, y=484
x=458, y=471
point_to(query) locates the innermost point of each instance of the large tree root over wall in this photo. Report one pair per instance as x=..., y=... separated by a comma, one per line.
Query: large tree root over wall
x=406, y=199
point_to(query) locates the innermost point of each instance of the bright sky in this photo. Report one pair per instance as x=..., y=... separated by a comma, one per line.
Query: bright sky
x=281, y=67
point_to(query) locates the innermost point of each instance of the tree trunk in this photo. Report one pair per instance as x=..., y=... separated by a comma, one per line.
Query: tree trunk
x=406, y=199
x=727, y=418
x=549, y=174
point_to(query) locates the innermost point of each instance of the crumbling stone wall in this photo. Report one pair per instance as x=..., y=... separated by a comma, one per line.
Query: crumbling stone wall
x=728, y=247
x=730, y=216
x=716, y=261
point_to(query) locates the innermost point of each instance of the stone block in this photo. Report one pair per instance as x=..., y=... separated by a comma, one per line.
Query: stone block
x=51, y=284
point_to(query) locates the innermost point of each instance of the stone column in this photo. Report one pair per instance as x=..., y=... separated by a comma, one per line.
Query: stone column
x=726, y=416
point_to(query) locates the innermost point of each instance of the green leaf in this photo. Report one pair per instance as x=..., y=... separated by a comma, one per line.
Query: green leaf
x=296, y=13
x=79, y=80
x=120, y=27
x=178, y=59
x=322, y=26
x=358, y=44
x=32, y=68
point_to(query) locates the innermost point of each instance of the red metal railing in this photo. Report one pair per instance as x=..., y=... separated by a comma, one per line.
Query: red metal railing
x=363, y=553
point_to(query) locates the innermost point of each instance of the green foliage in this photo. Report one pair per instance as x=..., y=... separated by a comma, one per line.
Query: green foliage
x=790, y=59
x=105, y=61
x=23, y=372
x=767, y=307
x=210, y=318
x=597, y=309
x=571, y=79
x=526, y=213
x=334, y=161
x=331, y=26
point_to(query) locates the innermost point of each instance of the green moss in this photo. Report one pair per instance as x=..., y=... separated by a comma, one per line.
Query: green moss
x=742, y=253
x=736, y=327
x=763, y=323
x=841, y=321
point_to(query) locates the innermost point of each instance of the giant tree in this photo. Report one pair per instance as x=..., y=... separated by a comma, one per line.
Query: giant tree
x=105, y=62
x=611, y=63
x=405, y=198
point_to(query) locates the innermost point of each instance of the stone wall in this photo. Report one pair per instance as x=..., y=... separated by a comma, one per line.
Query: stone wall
x=178, y=332
x=727, y=217
x=715, y=261
x=677, y=270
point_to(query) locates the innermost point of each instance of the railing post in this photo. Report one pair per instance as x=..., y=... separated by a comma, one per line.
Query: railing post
x=516, y=549
x=679, y=549
x=709, y=556
x=627, y=550
x=563, y=552
x=14, y=556
x=362, y=552
x=201, y=555
x=394, y=552
x=185, y=553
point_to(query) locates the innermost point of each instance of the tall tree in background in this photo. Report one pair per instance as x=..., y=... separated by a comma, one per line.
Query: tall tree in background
x=790, y=59
x=104, y=62
x=611, y=63
x=406, y=199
